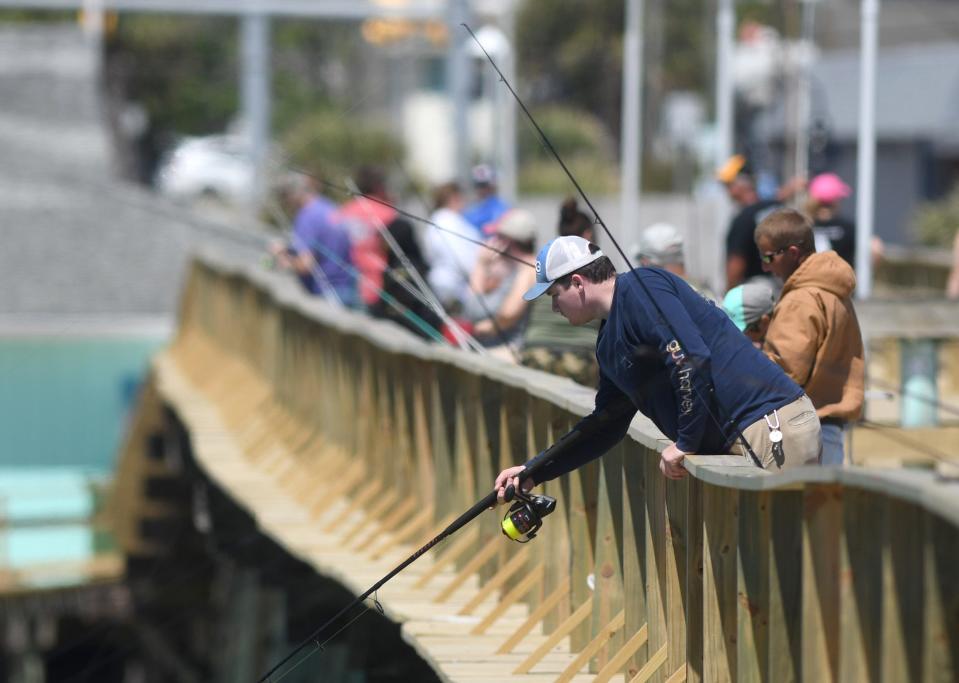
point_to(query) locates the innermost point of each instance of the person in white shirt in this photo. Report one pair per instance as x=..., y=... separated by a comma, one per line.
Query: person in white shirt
x=450, y=256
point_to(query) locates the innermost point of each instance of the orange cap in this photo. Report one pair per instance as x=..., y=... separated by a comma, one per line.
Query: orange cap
x=727, y=172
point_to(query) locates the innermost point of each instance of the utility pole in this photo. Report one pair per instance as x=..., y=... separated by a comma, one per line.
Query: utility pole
x=631, y=150
x=866, y=152
x=725, y=93
x=803, y=96
x=458, y=79
x=255, y=96
x=725, y=97
x=506, y=110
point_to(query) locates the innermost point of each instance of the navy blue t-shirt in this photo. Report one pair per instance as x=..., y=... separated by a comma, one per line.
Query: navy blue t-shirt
x=677, y=377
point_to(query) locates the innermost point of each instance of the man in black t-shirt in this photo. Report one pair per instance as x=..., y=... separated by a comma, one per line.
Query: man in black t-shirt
x=742, y=258
x=836, y=233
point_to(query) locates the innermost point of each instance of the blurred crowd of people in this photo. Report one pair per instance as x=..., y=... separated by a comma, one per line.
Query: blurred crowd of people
x=439, y=281
x=461, y=277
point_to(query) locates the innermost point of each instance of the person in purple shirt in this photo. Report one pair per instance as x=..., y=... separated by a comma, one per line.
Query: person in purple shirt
x=488, y=207
x=318, y=246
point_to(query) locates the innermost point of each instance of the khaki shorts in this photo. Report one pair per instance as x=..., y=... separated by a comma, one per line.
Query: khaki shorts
x=802, y=437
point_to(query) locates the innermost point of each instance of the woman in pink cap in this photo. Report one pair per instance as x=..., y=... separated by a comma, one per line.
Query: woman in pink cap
x=832, y=231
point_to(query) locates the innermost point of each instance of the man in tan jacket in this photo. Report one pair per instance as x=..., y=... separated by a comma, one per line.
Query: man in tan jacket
x=814, y=333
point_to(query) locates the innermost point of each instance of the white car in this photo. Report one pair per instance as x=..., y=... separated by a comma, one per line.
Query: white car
x=210, y=167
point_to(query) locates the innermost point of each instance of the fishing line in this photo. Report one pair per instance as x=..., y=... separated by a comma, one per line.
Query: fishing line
x=463, y=339
x=478, y=508
x=407, y=214
x=477, y=296
x=321, y=647
x=538, y=506
x=428, y=329
x=918, y=446
x=582, y=193
x=945, y=407
x=297, y=243
x=445, y=231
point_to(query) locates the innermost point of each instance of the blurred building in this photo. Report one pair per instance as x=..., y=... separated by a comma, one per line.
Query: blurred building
x=917, y=137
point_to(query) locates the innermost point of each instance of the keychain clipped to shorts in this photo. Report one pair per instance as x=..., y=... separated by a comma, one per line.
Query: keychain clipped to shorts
x=776, y=438
x=775, y=435
x=525, y=516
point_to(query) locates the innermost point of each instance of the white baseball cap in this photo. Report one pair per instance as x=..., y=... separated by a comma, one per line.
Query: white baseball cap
x=661, y=244
x=517, y=224
x=559, y=257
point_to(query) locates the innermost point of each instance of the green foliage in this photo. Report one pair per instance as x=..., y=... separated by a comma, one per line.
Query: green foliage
x=571, y=51
x=573, y=132
x=183, y=70
x=581, y=141
x=938, y=222
x=546, y=177
x=36, y=16
x=327, y=142
x=301, y=51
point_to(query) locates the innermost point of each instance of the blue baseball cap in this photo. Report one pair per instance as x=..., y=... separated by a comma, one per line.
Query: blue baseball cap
x=559, y=257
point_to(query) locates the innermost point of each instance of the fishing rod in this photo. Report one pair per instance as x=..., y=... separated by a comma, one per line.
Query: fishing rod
x=477, y=509
x=521, y=523
x=552, y=150
x=463, y=339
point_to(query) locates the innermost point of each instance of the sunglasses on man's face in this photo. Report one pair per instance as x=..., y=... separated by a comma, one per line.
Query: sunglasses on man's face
x=767, y=257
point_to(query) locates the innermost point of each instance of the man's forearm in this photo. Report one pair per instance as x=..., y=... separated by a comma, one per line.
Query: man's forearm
x=592, y=436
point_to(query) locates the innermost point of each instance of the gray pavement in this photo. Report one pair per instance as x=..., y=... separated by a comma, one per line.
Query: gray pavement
x=73, y=240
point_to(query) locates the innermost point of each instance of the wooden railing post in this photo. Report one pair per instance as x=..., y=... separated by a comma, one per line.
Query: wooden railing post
x=785, y=586
x=753, y=586
x=677, y=538
x=634, y=550
x=695, y=558
x=822, y=526
x=720, y=538
x=656, y=600
x=940, y=656
x=902, y=591
x=860, y=621
x=608, y=568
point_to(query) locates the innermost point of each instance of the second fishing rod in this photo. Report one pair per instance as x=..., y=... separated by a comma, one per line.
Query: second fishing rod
x=723, y=422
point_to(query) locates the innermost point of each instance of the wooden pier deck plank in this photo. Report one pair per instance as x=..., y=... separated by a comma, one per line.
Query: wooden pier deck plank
x=260, y=481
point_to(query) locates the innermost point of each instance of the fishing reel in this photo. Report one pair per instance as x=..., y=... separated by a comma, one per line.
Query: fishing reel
x=525, y=516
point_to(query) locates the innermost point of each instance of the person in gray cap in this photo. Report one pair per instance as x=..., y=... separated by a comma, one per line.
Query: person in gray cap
x=498, y=310
x=750, y=306
x=661, y=245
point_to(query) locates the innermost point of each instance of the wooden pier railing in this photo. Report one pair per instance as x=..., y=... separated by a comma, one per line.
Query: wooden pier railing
x=351, y=443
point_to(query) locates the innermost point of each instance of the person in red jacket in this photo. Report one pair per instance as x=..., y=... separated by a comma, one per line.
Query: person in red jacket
x=363, y=218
